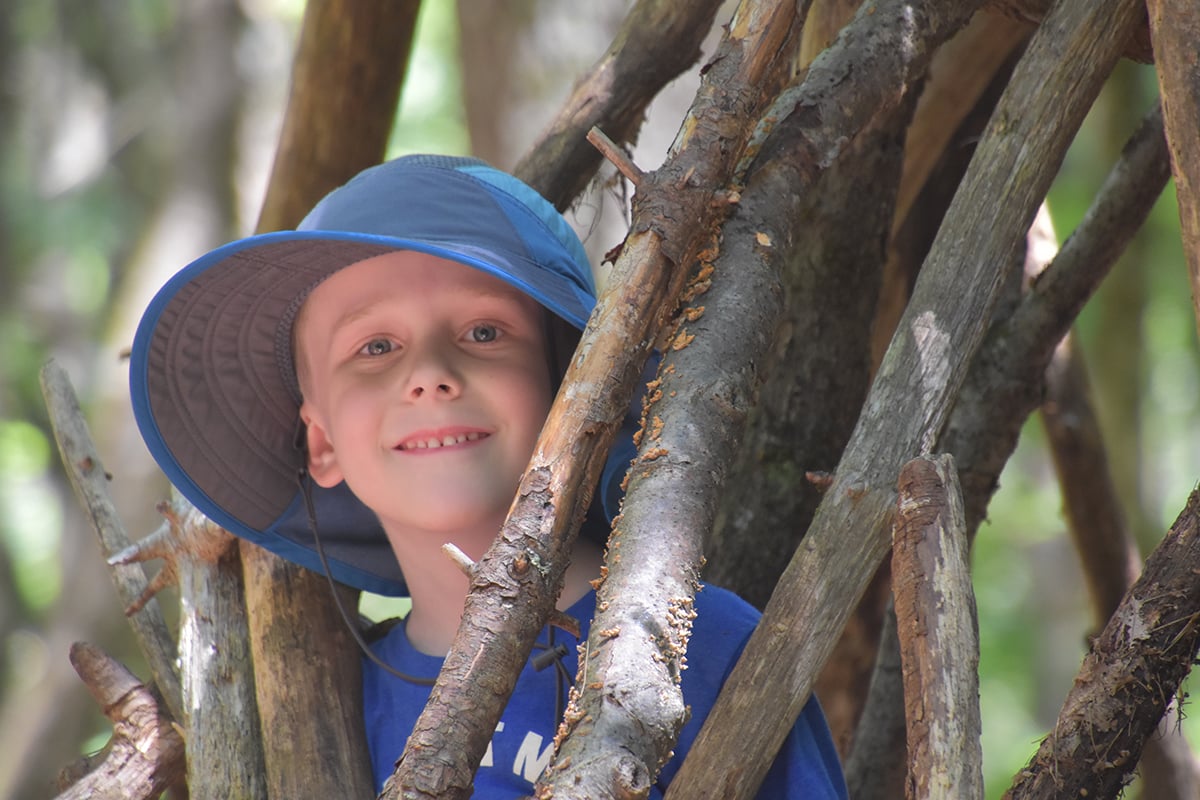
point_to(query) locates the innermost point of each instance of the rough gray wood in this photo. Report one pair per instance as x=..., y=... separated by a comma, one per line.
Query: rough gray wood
x=1051, y=90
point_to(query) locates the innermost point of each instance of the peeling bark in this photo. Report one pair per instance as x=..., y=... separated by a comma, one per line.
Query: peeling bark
x=1127, y=679
x=939, y=636
x=632, y=710
x=508, y=604
x=1050, y=92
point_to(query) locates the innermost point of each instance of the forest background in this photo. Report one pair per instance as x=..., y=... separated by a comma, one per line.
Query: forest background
x=134, y=136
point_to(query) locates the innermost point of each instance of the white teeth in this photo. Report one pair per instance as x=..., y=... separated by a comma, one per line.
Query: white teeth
x=445, y=441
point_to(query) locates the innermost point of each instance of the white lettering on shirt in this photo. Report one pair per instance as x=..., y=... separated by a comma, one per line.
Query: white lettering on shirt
x=531, y=759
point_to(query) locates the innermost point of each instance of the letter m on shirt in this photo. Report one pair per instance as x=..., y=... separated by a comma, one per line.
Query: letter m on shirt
x=531, y=758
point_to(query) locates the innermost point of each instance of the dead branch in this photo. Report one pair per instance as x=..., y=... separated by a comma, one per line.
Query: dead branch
x=1127, y=679
x=1110, y=559
x=145, y=756
x=694, y=415
x=1050, y=92
x=673, y=216
x=939, y=639
x=1005, y=383
x=658, y=40
x=1032, y=12
x=82, y=460
x=1175, y=26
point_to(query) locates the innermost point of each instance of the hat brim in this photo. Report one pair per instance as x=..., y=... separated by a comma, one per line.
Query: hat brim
x=212, y=378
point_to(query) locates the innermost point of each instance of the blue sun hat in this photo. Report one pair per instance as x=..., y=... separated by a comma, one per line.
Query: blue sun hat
x=213, y=384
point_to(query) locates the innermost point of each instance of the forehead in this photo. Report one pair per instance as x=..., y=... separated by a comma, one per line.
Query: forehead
x=417, y=278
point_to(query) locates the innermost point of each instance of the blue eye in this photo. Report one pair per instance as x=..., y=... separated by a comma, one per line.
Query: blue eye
x=376, y=347
x=484, y=333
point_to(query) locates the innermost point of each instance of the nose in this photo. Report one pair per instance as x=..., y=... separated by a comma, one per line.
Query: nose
x=432, y=375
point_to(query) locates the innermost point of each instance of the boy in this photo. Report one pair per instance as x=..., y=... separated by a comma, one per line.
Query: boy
x=401, y=350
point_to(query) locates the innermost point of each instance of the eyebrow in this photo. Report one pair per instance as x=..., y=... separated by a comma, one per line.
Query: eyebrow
x=505, y=293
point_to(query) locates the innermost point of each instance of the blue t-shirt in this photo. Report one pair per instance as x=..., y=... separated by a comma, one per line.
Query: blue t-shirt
x=807, y=766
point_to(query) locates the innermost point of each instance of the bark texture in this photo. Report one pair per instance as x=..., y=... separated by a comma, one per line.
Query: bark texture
x=509, y=601
x=695, y=413
x=1127, y=679
x=939, y=635
x=910, y=400
x=145, y=756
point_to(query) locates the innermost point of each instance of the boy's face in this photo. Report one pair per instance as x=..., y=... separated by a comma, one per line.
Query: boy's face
x=426, y=384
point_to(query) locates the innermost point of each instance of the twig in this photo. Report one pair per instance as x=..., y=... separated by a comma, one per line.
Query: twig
x=618, y=157
x=87, y=474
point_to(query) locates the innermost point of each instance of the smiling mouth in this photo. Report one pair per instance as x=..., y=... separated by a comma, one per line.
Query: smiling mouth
x=434, y=442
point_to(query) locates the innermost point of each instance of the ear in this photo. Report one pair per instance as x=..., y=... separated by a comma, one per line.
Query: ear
x=322, y=460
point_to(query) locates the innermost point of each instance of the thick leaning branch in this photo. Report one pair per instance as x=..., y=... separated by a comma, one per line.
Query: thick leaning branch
x=521, y=574
x=1127, y=679
x=1051, y=90
x=1006, y=381
x=628, y=719
x=939, y=638
x=657, y=41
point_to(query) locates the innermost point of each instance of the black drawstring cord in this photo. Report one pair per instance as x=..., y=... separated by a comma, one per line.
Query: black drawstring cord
x=551, y=653
x=310, y=508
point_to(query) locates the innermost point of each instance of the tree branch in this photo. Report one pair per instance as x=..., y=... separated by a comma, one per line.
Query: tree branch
x=1127, y=679
x=658, y=40
x=82, y=460
x=939, y=639
x=1005, y=384
x=145, y=756
x=673, y=219
x=1110, y=559
x=627, y=719
x=346, y=78
x=1020, y=152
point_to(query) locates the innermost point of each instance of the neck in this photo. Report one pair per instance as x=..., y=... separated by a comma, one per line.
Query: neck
x=438, y=587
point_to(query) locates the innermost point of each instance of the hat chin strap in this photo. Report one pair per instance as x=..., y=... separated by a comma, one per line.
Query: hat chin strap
x=305, y=481
x=553, y=653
